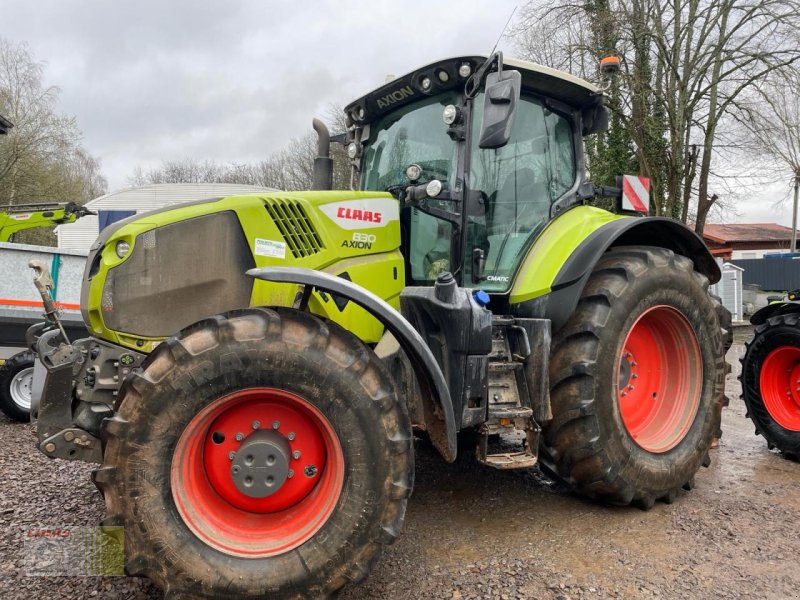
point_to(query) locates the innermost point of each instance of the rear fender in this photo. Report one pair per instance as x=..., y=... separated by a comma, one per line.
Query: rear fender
x=558, y=299
x=775, y=309
x=431, y=380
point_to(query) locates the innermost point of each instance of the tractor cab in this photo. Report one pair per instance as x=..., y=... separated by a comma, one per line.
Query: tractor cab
x=481, y=153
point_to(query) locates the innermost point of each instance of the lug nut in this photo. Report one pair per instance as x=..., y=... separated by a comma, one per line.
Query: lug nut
x=50, y=448
x=290, y=474
x=624, y=394
x=239, y=436
x=291, y=436
x=634, y=376
x=276, y=424
x=231, y=455
x=69, y=436
x=256, y=424
x=296, y=455
x=310, y=470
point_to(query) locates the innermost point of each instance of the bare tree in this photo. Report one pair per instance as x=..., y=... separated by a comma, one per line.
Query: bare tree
x=687, y=65
x=290, y=169
x=772, y=118
x=41, y=158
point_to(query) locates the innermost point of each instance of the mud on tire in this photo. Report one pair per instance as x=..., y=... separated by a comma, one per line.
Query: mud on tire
x=587, y=442
x=279, y=349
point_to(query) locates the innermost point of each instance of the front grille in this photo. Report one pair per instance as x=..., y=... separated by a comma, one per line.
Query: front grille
x=292, y=221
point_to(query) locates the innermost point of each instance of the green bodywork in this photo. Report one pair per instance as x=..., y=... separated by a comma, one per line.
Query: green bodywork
x=553, y=247
x=369, y=253
x=365, y=245
x=17, y=219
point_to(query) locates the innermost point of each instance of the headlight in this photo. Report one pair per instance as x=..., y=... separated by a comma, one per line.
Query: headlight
x=413, y=172
x=352, y=150
x=465, y=70
x=434, y=188
x=450, y=114
x=122, y=248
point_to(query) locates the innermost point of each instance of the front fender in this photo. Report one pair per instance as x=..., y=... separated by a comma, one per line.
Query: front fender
x=775, y=309
x=426, y=368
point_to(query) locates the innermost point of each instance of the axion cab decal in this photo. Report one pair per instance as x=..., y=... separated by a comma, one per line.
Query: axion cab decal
x=367, y=213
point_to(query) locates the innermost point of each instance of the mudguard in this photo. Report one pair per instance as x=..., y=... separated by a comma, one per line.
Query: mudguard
x=556, y=299
x=426, y=368
x=775, y=309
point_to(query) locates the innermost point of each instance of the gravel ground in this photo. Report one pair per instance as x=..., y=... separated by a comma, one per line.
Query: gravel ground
x=473, y=532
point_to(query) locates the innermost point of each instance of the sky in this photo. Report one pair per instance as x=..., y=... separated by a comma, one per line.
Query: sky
x=234, y=81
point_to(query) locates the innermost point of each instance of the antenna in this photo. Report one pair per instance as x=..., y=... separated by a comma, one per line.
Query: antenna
x=500, y=37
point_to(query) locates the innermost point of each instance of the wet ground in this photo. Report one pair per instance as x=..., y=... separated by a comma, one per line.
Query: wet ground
x=472, y=532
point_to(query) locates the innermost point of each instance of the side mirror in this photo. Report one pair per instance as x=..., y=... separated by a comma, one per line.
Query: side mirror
x=500, y=108
x=595, y=119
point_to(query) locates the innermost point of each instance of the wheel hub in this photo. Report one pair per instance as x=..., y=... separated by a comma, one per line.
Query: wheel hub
x=659, y=379
x=20, y=388
x=257, y=472
x=261, y=466
x=779, y=383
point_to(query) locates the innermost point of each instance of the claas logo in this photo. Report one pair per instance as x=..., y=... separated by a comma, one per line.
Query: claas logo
x=356, y=214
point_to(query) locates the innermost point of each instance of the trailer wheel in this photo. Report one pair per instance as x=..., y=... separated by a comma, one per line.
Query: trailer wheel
x=263, y=453
x=637, y=375
x=16, y=378
x=770, y=383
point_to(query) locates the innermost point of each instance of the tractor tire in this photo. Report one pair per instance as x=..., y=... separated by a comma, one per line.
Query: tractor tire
x=16, y=378
x=770, y=383
x=637, y=377
x=200, y=517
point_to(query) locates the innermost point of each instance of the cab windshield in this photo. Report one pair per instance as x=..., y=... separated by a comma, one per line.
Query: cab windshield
x=413, y=134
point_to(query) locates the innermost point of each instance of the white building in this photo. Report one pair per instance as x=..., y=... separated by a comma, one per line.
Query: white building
x=123, y=203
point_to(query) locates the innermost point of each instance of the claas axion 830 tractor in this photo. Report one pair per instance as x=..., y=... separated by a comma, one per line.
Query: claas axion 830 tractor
x=258, y=363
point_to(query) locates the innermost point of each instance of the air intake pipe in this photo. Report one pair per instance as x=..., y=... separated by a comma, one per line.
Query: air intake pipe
x=323, y=163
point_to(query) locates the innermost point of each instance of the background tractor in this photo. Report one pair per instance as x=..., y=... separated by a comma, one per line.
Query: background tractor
x=16, y=373
x=771, y=374
x=463, y=288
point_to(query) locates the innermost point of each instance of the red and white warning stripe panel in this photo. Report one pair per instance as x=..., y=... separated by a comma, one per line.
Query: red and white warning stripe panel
x=636, y=193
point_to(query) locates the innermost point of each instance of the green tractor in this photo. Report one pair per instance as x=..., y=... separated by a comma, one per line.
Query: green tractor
x=771, y=374
x=258, y=364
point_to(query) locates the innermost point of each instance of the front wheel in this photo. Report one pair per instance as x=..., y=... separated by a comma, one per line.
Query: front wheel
x=259, y=454
x=636, y=379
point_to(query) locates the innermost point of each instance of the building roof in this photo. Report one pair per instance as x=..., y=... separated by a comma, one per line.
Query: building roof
x=148, y=197
x=725, y=233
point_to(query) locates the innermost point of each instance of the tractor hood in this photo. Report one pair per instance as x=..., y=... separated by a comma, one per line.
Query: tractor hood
x=149, y=275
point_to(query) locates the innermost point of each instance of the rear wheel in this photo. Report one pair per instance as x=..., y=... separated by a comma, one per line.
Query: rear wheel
x=16, y=379
x=771, y=383
x=259, y=454
x=636, y=379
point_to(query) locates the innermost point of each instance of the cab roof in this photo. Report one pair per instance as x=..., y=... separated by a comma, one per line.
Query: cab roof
x=546, y=81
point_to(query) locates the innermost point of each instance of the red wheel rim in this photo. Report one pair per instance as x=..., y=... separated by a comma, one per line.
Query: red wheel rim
x=660, y=378
x=209, y=456
x=780, y=386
